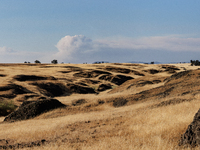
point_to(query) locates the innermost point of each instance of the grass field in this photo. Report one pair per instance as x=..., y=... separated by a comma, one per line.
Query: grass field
x=158, y=109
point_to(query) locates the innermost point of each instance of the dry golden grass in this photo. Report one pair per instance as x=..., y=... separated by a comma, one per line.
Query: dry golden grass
x=99, y=127
x=142, y=128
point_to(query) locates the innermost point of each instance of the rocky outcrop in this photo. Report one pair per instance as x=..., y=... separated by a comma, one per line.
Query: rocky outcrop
x=104, y=87
x=117, y=79
x=192, y=135
x=11, y=90
x=32, y=78
x=31, y=109
x=123, y=70
x=90, y=74
x=74, y=88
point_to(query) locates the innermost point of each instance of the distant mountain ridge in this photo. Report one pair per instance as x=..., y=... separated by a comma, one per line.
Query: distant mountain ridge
x=155, y=62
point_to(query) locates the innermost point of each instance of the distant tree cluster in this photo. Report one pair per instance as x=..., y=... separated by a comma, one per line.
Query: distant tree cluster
x=99, y=62
x=195, y=62
x=37, y=62
x=54, y=61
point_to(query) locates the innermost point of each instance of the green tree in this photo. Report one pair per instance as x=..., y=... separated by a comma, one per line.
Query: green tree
x=37, y=62
x=54, y=61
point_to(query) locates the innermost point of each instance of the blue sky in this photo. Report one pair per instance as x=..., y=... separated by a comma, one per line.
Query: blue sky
x=78, y=31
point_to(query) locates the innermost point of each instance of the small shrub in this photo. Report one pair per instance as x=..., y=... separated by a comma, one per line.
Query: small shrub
x=54, y=61
x=37, y=62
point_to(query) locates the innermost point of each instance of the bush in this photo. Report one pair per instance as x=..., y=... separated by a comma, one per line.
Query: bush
x=195, y=62
x=37, y=62
x=6, y=107
x=54, y=61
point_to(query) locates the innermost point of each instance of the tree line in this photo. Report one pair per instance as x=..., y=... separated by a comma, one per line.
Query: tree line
x=38, y=62
x=195, y=62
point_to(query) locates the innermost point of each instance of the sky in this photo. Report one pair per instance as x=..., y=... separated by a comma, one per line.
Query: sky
x=85, y=31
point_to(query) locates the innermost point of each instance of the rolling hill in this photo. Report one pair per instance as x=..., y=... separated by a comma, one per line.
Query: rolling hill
x=104, y=106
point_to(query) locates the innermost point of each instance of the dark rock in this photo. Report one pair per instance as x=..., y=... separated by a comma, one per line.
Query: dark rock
x=89, y=81
x=32, y=78
x=166, y=92
x=11, y=90
x=79, y=102
x=192, y=135
x=3, y=112
x=103, y=87
x=52, y=89
x=117, y=69
x=157, y=81
x=123, y=70
x=82, y=84
x=32, y=109
x=58, y=89
x=3, y=75
x=178, y=75
x=117, y=79
x=143, y=83
x=100, y=101
x=73, y=88
x=152, y=71
x=170, y=67
x=119, y=102
x=90, y=74
x=9, y=145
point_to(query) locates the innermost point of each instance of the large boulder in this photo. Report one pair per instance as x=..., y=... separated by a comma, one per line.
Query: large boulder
x=192, y=135
x=31, y=109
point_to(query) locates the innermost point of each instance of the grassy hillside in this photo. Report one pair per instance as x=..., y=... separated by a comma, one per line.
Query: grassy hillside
x=146, y=106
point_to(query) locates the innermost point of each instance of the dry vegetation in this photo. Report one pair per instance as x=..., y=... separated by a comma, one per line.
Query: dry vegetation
x=147, y=107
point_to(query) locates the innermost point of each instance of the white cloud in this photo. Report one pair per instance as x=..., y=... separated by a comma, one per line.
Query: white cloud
x=169, y=43
x=78, y=48
x=71, y=47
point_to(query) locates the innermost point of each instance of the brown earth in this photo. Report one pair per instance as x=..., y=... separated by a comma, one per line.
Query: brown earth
x=109, y=106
